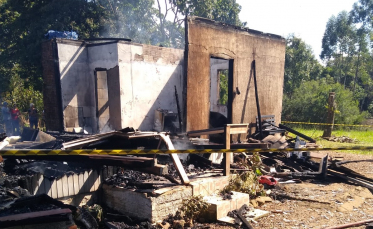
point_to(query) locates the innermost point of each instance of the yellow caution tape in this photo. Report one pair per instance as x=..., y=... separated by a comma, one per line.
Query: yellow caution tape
x=23, y=152
x=325, y=124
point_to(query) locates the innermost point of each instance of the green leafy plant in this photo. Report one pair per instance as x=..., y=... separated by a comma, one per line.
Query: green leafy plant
x=246, y=182
x=194, y=207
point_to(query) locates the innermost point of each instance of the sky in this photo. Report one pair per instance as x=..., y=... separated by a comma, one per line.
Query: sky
x=305, y=18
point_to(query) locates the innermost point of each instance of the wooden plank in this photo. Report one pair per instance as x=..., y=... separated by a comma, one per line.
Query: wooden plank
x=238, y=130
x=70, y=185
x=59, y=187
x=40, y=186
x=76, y=184
x=175, y=158
x=54, y=189
x=197, y=133
x=227, y=166
x=48, y=187
x=95, y=180
x=180, y=169
x=65, y=186
x=91, y=178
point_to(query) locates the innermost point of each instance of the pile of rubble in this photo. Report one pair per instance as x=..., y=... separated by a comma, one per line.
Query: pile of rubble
x=191, y=187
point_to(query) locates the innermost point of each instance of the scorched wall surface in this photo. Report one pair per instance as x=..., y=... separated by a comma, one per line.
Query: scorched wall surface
x=207, y=38
x=148, y=75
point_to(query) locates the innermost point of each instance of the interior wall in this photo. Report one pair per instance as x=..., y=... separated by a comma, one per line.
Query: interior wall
x=207, y=38
x=113, y=82
x=148, y=76
x=76, y=93
x=100, y=56
x=145, y=80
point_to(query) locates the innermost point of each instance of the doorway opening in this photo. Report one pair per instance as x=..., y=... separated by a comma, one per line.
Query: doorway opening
x=221, y=91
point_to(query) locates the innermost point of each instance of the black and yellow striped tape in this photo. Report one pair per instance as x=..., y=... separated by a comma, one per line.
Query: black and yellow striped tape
x=325, y=124
x=6, y=153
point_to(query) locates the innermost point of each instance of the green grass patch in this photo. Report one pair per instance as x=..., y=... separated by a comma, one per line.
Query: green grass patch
x=362, y=137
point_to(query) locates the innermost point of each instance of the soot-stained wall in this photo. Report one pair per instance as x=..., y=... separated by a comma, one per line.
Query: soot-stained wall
x=205, y=39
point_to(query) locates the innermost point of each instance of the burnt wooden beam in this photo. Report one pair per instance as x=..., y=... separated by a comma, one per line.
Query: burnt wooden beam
x=297, y=133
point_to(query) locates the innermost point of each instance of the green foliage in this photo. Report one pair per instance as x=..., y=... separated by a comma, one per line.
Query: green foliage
x=246, y=182
x=219, y=10
x=300, y=64
x=23, y=25
x=309, y=103
x=193, y=207
x=23, y=95
x=223, y=87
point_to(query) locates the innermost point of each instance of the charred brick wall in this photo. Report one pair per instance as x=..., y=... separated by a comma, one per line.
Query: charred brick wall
x=206, y=39
x=51, y=87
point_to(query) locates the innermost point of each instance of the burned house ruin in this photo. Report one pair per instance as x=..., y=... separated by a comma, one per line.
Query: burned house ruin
x=108, y=84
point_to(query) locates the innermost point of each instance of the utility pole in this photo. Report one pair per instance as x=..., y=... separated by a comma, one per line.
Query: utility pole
x=330, y=119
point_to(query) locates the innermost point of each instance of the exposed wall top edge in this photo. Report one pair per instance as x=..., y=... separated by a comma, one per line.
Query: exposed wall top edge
x=103, y=42
x=225, y=26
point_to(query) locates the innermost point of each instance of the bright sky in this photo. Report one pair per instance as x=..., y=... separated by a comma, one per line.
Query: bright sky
x=305, y=18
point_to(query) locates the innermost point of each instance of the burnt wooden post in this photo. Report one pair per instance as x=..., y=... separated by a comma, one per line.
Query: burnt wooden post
x=330, y=119
x=227, y=145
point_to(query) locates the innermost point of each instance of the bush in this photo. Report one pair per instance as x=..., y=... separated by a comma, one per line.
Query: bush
x=309, y=103
x=22, y=95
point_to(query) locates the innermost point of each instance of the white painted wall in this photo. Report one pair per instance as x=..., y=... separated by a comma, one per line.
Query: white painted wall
x=148, y=84
x=147, y=80
x=105, y=57
x=75, y=81
x=215, y=65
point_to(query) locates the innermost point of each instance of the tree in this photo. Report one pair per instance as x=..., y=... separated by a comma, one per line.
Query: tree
x=339, y=43
x=309, y=103
x=24, y=23
x=172, y=32
x=300, y=64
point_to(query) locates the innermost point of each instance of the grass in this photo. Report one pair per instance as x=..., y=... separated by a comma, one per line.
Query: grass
x=362, y=137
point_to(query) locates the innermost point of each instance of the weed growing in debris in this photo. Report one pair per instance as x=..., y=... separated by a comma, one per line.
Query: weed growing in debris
x=246, y=182
x=194, y=207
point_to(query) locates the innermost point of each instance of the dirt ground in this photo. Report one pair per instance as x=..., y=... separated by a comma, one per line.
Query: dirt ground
x=319, y=204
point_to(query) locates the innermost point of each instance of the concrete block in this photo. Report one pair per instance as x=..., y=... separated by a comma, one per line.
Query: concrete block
x=219, y=208
x=209, y=186
x=143, y=207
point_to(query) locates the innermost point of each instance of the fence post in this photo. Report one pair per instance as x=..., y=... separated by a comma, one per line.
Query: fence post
x=330, y=119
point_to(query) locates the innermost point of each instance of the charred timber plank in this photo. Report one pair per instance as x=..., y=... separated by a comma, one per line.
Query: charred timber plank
x=238, y=146
x=175, y=158
x=156, y=169
x=351, y=179
x=29, y=215
x=195, y=158
x=197, y=133
x=243, y=218
x=297, y=133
